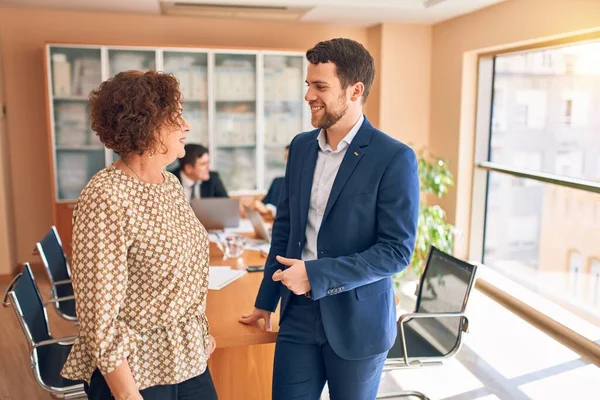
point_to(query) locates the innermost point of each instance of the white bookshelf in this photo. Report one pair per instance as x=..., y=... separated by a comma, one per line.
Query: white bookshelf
x=245, y=106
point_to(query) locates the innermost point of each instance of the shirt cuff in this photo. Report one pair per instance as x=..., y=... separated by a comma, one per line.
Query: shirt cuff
x=271, y=208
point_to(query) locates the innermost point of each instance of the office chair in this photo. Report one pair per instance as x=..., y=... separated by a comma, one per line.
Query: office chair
x=47, y=355
x=59, y=274
x=433, y=333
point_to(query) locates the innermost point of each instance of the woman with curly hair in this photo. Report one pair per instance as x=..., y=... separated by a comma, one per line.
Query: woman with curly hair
x=140, y=256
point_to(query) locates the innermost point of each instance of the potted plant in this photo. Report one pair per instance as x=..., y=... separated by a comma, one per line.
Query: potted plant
x=433, y=229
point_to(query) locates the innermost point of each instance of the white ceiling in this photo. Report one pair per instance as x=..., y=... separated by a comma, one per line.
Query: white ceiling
x=361, y=12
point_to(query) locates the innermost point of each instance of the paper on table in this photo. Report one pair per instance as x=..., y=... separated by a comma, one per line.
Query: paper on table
x=265, y=247
x=219, y=277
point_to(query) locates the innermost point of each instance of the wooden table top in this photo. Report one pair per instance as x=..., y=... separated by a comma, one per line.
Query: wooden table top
x=225, y=306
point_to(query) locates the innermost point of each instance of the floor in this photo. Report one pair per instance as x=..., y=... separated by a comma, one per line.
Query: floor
x=503, y=358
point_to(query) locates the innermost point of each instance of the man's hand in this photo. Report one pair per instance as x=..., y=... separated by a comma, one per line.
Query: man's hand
x=294, y=277
x=245, y=201
x=255, y=316
x=260, y=207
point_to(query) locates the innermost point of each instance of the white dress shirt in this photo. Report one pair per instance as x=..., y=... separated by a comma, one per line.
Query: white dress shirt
x=189, y=185
x=326, y=169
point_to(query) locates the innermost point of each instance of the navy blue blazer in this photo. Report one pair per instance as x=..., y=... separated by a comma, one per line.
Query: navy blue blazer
x=366, y=236
x=274, y=193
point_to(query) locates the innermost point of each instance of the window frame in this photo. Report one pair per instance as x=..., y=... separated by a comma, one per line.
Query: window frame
x=476, y=113
x=483, y=165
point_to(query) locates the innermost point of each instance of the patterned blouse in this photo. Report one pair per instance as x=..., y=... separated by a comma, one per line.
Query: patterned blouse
x=140, y=276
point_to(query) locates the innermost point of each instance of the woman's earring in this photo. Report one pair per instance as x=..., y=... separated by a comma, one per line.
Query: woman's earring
x=151, y=154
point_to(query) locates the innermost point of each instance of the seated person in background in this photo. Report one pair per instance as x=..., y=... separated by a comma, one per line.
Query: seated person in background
x=195, y=177
x=268, y=205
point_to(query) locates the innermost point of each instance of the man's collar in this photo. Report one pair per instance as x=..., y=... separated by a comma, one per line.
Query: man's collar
x=322, y=139
x=185, y=180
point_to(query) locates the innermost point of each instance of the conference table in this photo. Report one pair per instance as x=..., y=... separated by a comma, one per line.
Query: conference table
x=242, y=364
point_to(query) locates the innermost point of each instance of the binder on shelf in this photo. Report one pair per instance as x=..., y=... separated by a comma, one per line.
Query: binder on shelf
x=87, y=75
x=61, y=75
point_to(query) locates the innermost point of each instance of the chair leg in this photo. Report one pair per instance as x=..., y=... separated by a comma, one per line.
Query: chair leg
x=75, y=395
x=403, y=393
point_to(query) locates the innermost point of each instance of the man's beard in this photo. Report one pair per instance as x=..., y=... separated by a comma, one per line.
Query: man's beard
x=330, y=118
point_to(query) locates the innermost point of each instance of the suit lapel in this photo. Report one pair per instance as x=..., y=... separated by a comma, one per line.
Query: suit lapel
x=204, y=190
x=353, y=155
x=308, y=172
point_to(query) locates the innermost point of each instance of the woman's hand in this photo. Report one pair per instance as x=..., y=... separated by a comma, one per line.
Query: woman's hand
x=212, y=344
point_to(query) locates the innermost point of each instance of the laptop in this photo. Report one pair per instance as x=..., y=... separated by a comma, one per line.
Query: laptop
x=217, y=213
x=258, y=224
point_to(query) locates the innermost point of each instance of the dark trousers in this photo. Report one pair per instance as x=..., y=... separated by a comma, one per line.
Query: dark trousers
x=304, y=360
x=198, y=387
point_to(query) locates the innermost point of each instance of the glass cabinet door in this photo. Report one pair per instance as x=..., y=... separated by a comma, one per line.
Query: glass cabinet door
x=235, y=120
x=74, y=73
x=191, y=71
x=120, y=60
x=283, y=102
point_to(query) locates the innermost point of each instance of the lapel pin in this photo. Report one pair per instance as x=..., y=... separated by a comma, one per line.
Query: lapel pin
x=356, y=154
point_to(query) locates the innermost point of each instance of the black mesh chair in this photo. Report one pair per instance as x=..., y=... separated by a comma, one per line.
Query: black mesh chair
x=59, y=274
x=433, y=333
x=47, y=355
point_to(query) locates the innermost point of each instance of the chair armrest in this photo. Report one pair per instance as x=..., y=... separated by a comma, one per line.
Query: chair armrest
x=407, y=317
x=63, y=282
x=72, y=297
x=62, y=340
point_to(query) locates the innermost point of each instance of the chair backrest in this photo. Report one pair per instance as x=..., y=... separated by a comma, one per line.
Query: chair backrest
x=53, y=256
x=445, y=287
x=29, y=308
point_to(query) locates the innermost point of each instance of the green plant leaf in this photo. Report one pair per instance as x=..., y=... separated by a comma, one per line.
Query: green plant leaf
x=432, y=229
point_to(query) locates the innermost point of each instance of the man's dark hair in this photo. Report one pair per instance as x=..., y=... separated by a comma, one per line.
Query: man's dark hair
x=192, y=153
x=287, y=147
x=353, y=62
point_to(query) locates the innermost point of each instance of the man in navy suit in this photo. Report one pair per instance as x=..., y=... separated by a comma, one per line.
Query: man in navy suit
x=346, y=222
x=195, y=177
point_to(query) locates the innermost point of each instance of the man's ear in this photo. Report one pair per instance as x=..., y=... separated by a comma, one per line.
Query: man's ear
x=357, y=91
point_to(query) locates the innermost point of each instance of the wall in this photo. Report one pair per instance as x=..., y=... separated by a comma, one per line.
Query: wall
x=23, y=33
x=406, y=71
x=454, y=49
x=7, y=253
x=400, y=97
x=374, y=45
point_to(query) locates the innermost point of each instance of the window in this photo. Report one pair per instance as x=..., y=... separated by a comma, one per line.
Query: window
x=539, y=229
x=568, y=111
x=539, y=107
x=531, y=108
x=569, y=163
x=595, y=280
x=499, y=122
x=577, y=109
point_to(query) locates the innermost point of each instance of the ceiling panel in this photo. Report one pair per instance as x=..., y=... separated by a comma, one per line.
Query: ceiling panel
x=362, y=12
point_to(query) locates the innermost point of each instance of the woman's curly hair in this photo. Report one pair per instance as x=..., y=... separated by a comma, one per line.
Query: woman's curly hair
x=127, y=110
